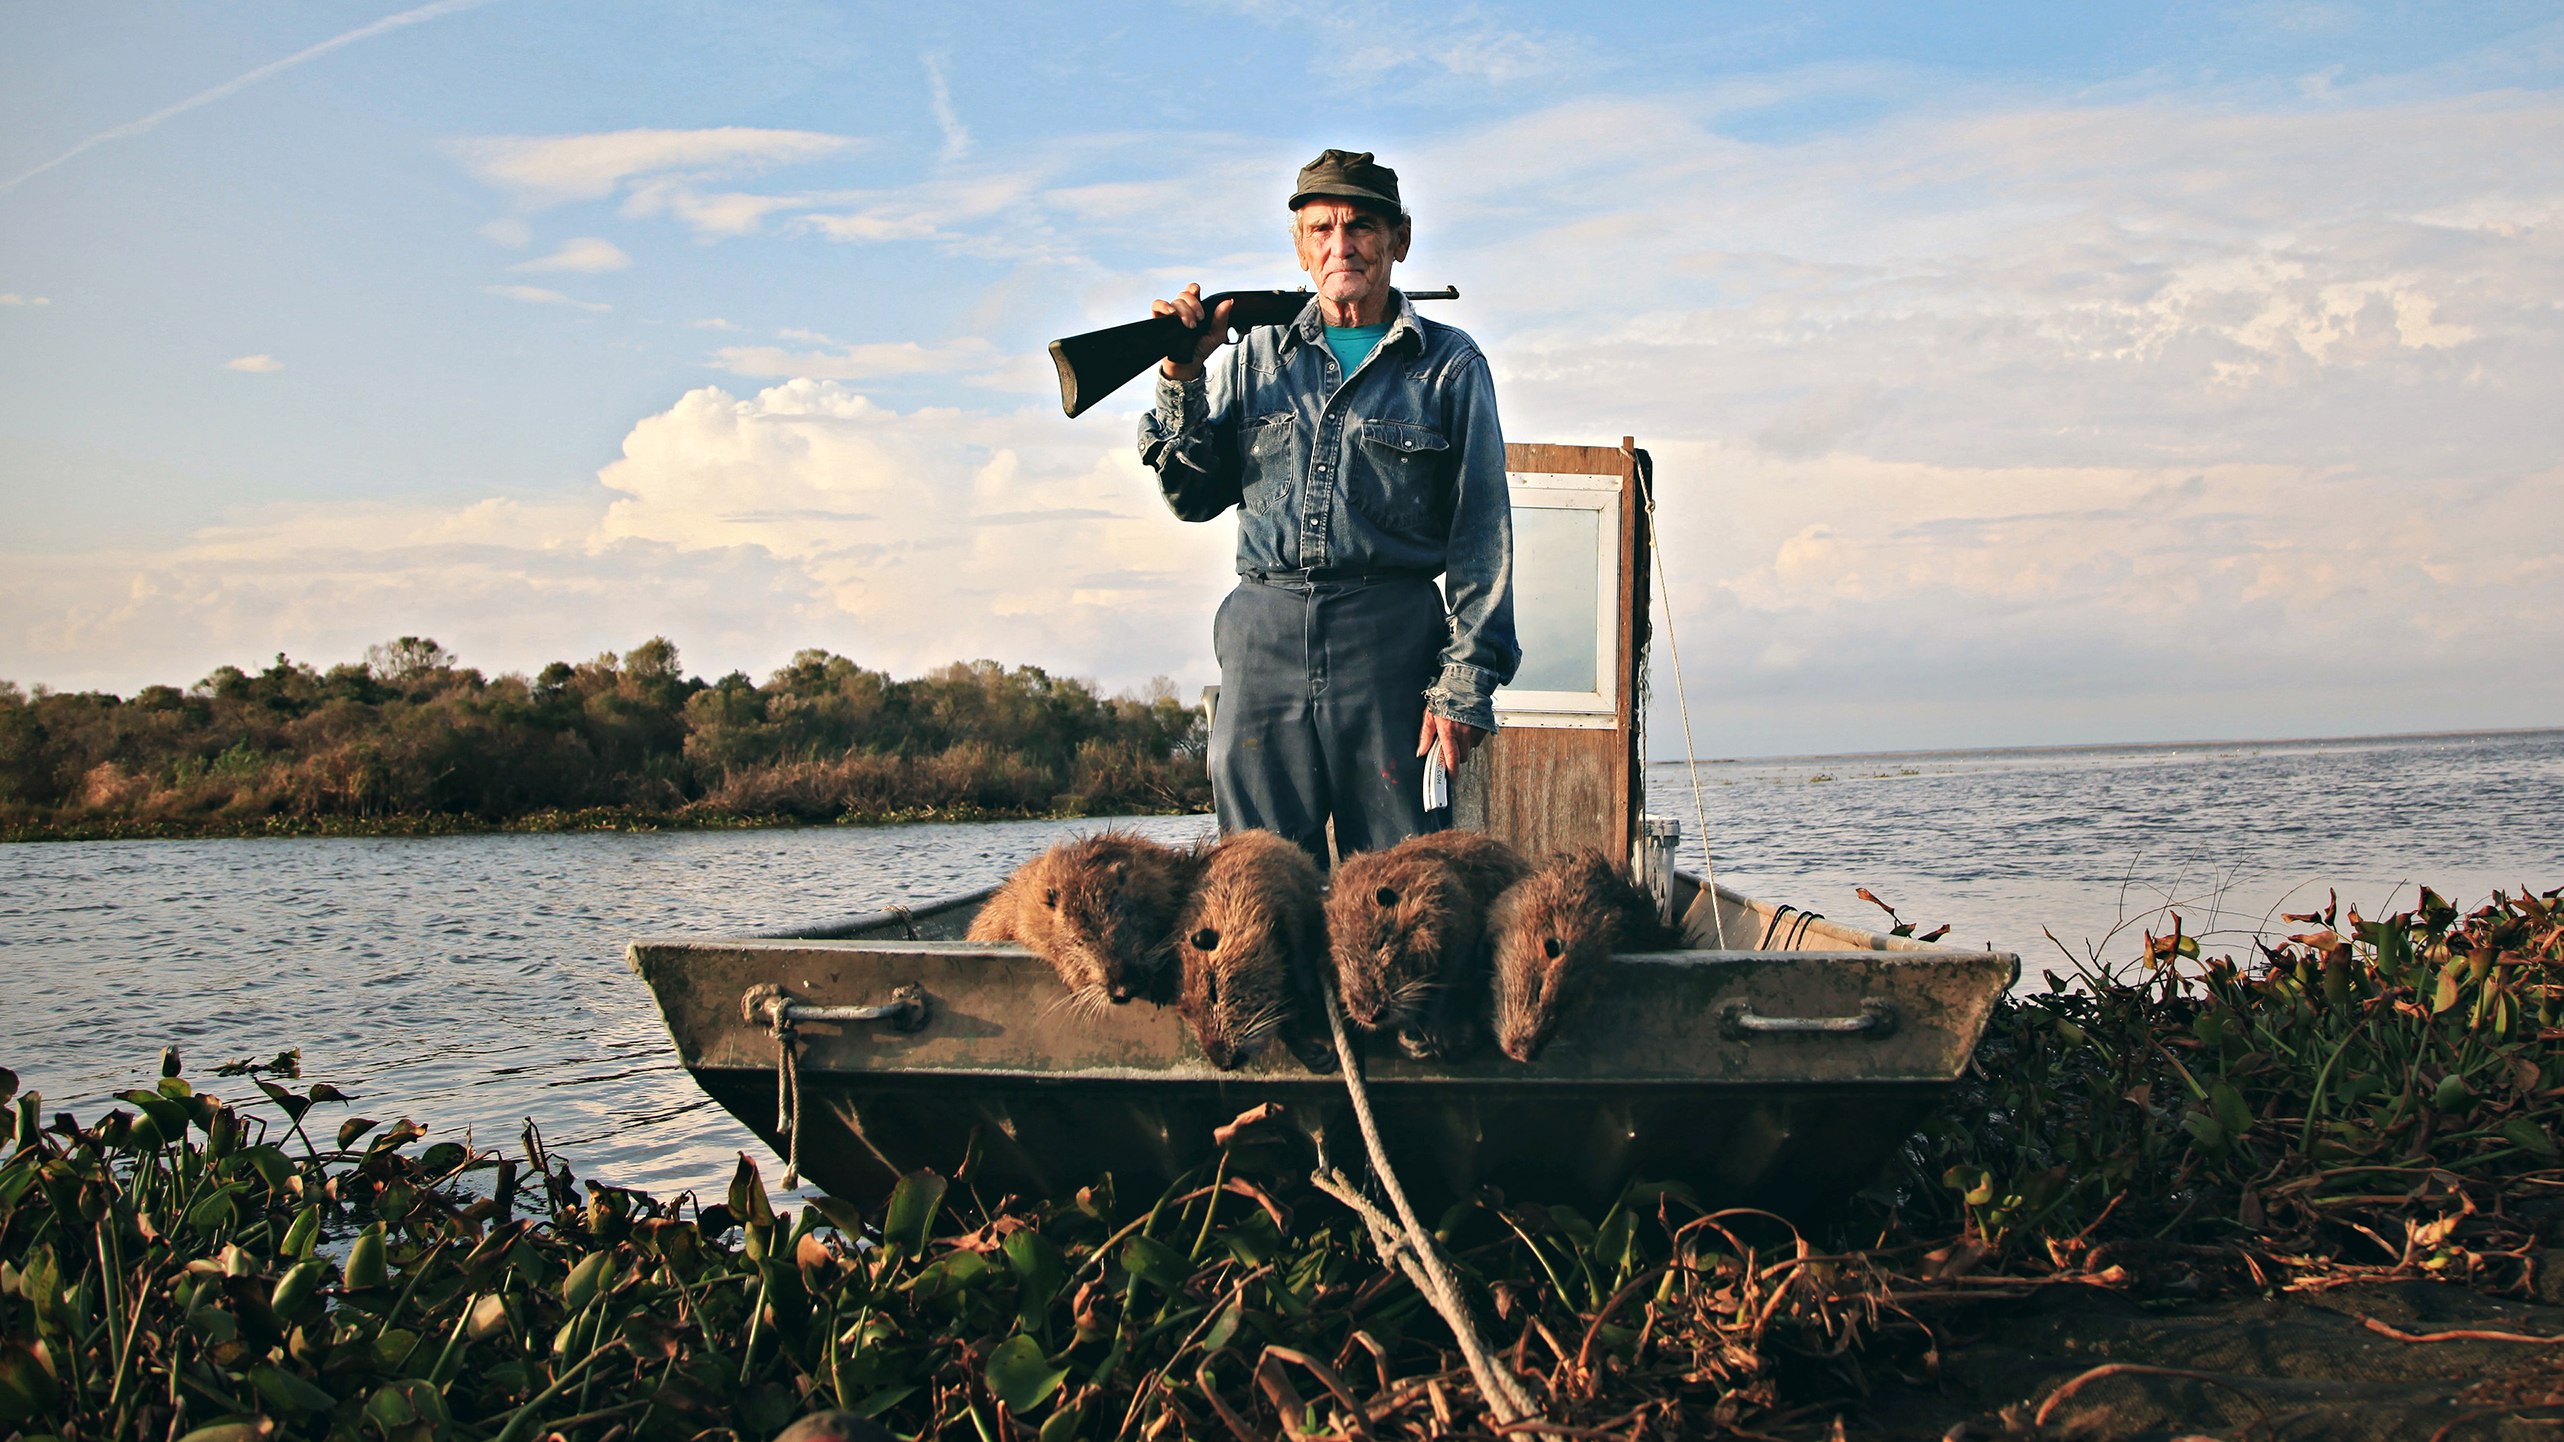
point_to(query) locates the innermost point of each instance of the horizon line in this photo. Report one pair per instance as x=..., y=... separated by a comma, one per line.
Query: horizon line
x=2071, y=747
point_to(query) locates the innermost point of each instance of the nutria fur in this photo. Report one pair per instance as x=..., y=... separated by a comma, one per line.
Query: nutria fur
x=1549, y=936
x=1408, y=930
x=1100, y=909
x=1247, y=943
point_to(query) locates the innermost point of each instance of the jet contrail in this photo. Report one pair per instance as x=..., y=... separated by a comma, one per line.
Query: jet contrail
x=243, y=82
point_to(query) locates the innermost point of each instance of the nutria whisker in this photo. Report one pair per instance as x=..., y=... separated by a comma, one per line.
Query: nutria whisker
x=1258, y=906
x=1100, y=909
x=1551, y=936
x=1407, y=928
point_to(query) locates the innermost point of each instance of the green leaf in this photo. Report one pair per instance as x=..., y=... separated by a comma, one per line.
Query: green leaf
x=252, y=1429
x=2446, y=996
x=748, y=1195
x=2452, y=1094
x=1161, y=1264
x=1020, y=1376
x=1062, y=1425
x=352, y=1128
x=166, y=1115
x=881, y=1401
x=846, y=1219
x=291, y=1105
x=145, y=1134
x=946, y=1275
x=215, y=1209
x=289, y=1392
x=913, y=1204
x=304, y=1234
x=267, y=1161
x=2204, y=1129
x=2526, y=1134
x=1038, y=1271
x=1223, y=1329
x=27, y=1384
x=585, y=1281
x=2232, y=1112
x=297, y=1296
x=365, y=1267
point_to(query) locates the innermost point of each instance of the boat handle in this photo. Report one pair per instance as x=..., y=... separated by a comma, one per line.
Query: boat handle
x=774, y=1008
x=1740, y=1020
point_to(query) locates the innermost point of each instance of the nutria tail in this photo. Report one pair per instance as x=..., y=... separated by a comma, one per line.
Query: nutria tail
x=1245, y=943
x=1551, y=935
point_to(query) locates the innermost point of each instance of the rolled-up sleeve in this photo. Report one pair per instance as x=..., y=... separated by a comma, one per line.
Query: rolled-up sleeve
x=1478, y=562
x=1194, y=455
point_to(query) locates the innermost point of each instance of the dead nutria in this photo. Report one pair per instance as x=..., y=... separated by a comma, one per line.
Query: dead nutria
x=1100, y=909
x=1551, y=933
x=1408, y=930
x=1246, y=944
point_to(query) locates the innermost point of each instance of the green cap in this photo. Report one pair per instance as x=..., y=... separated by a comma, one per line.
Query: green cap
x=1349, y=175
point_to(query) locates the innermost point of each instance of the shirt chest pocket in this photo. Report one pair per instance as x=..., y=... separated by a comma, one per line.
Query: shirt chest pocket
x=1270, y=447
x=1397, y=473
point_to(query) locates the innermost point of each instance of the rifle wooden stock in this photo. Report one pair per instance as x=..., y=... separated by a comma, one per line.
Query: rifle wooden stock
x=1100, y=362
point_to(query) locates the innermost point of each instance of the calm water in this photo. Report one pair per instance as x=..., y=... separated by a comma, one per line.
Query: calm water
x=473, y=981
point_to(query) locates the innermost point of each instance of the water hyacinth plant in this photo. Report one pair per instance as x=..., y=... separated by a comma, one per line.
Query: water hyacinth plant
x=2361, y=1097
x=2365, y=1100
x=191, y=1268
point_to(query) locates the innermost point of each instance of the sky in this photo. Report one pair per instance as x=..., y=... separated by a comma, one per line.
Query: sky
x=2017, y=374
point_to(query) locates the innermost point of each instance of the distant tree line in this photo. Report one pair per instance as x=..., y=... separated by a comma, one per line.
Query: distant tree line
x=411, y=735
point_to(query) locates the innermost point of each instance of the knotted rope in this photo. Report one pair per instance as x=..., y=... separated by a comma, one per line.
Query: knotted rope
x=1414, y=1248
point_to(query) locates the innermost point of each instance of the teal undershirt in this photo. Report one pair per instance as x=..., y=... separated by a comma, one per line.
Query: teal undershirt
x=1353, y=342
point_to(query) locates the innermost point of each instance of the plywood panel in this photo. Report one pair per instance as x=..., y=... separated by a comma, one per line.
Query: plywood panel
x=1552, y=789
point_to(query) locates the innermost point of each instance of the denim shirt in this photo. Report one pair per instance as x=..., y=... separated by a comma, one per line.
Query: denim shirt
x=1399, y=468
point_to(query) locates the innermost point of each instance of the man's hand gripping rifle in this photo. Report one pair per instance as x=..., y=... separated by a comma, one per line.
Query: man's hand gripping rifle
x=1100, y=362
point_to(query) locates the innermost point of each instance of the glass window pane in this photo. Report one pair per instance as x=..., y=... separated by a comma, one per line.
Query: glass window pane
x=1557, y=598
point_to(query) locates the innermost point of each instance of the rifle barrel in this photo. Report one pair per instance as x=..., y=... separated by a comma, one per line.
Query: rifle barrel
x=1098, y=363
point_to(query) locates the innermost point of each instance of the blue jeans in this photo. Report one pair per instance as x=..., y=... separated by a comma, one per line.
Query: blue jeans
x=1321, y=697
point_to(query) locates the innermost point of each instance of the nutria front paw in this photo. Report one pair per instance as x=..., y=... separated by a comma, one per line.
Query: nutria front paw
x=1419, y=1045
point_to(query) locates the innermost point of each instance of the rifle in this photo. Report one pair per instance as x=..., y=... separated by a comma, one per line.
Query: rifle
x=1100, y=362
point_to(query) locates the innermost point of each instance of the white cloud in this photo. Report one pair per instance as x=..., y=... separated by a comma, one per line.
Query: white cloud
x=711, y=322
x=1988, y=421
x=1467, y=42
x=550, y=169
x=509, y=231
x=253, y=363
x=587, y=254
x=940, y=96
x=743, y=528
x=537, y=295
x=911, y=522
x=13, y=298
x=858, y=362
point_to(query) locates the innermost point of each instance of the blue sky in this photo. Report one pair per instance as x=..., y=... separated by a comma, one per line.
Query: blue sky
x=2018, y=374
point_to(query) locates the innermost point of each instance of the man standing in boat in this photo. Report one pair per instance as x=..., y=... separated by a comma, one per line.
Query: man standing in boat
x=1359, y=444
